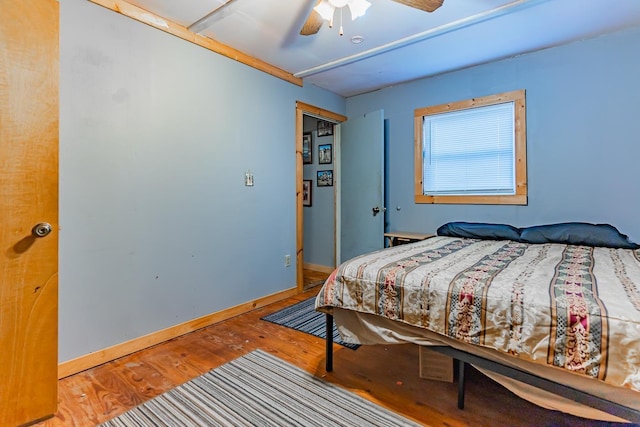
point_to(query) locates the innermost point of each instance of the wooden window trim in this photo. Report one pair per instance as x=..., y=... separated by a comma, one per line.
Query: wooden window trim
x=520, y=111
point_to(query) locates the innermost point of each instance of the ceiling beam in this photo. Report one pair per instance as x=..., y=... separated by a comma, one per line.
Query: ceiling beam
x=506, y=9
x=211, y=17
x=141, y=15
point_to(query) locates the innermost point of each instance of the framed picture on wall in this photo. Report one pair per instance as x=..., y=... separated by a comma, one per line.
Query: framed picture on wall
x=325, y=179
x=306, y=192
x=325, y=155
x=306, y=148
x=325, y=128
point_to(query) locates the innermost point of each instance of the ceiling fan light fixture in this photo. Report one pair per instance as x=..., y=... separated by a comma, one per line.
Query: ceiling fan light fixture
x=358, y=8
x=339, y=3
x=325, y=9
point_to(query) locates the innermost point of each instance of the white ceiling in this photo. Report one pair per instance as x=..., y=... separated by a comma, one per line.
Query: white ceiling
x=400, y=43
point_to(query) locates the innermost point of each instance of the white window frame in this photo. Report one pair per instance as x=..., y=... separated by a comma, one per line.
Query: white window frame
x=520, y=149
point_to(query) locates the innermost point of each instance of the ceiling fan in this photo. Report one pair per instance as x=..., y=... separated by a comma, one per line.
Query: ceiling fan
x=323, y=10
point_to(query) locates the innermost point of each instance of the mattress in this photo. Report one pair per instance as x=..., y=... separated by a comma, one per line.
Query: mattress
x=570, y=311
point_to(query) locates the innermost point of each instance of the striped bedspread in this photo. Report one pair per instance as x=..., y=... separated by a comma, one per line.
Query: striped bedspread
x=572, y=307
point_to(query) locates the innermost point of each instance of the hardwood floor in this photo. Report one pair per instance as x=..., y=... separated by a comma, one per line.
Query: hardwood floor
x=387, y=375
x=313, y=278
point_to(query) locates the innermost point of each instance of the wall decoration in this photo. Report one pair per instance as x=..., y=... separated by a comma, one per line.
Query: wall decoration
x=325, y=128
x=306, y=192
x=306, y=148
x=325, y=154
x=325, y=178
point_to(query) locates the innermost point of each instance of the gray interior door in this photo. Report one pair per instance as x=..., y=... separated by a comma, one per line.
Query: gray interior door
x=362, y=185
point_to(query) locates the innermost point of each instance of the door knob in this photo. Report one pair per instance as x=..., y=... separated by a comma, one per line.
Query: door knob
x=375, y=211
x=42, y=229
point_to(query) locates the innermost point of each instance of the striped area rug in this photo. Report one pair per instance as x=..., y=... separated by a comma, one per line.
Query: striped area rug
x=258, y=389
x=303, y=317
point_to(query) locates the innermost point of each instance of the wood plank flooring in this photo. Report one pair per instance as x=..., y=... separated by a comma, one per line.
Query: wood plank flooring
x=313, y=278
x=387, y=375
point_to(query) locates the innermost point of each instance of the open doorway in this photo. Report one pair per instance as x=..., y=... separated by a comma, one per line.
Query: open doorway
x=317, y=143
x=318, y=199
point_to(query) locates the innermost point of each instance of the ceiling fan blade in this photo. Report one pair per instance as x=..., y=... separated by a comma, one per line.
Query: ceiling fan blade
x=313, y=23
x=426, y=5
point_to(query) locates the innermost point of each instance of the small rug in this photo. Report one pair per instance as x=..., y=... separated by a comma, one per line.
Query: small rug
x=258, y=389
x=303, y=317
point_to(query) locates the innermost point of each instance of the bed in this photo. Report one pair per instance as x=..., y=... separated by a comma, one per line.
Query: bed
x=556, y=306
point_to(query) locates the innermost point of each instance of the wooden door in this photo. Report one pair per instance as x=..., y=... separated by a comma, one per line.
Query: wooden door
x=362, y=185
x=28, y=196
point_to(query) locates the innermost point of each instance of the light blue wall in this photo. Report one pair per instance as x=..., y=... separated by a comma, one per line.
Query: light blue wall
x=582, y=135
x=319, y=218
x=157, y=227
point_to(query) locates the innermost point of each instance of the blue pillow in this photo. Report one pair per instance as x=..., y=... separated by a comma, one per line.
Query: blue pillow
x=479, y=230
x=577, y=233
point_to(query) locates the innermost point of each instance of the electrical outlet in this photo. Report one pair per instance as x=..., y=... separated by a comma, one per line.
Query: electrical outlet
x=287, y=260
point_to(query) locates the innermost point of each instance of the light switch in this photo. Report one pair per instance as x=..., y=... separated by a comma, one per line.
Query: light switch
x=248, y=179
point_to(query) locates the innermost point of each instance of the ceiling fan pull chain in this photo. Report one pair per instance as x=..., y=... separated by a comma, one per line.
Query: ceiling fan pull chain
x=341, y=30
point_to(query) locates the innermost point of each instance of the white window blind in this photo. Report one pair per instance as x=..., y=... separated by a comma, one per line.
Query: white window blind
x=470, y=152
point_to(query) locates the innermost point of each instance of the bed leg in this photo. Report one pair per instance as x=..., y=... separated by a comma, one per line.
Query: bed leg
x=461, y=366
x=329, y=343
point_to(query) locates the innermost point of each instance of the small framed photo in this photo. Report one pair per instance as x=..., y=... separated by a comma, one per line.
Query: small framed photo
x=306, y=192
x=306, y=148
x=325, y=128
x=325, y=154
x=325, y=178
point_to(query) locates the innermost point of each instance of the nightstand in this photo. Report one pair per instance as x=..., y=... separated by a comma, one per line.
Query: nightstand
x=395, y=238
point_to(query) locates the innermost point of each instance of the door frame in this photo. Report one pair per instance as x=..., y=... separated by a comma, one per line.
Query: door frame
x=303, y=109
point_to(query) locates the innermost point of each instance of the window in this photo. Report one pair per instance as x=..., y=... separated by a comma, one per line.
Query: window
x=473, y=151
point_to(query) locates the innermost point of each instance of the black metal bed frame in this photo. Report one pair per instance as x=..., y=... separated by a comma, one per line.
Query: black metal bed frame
x=630, y=414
